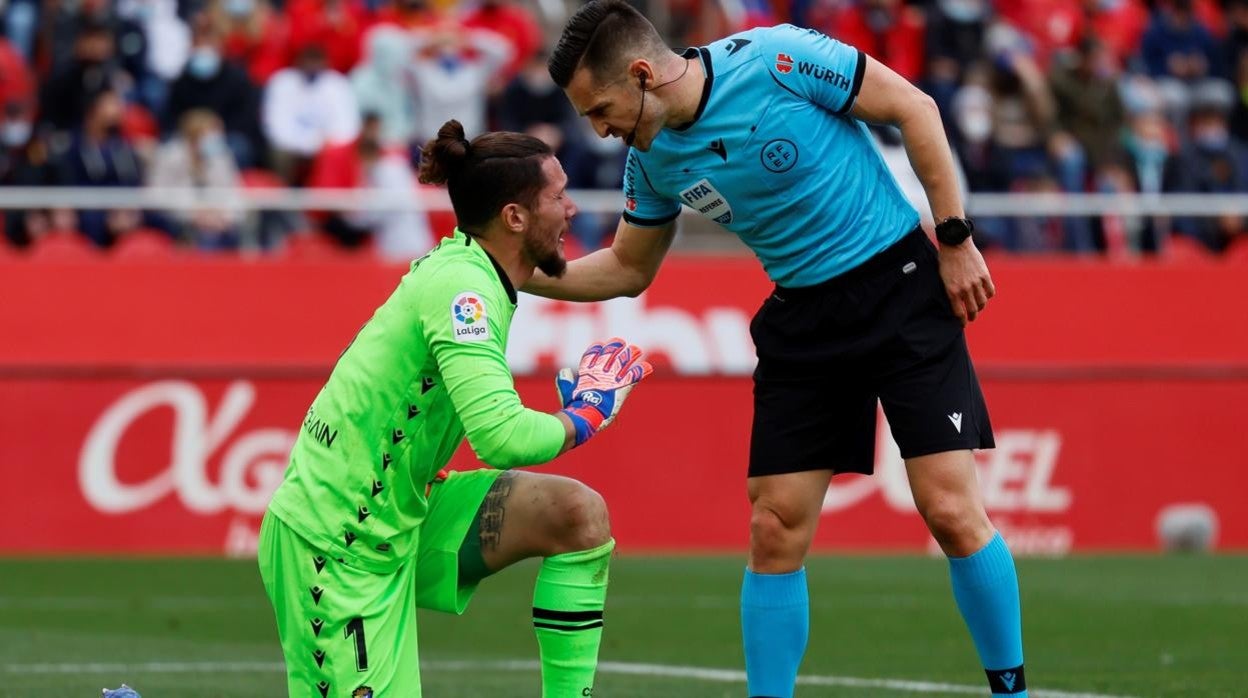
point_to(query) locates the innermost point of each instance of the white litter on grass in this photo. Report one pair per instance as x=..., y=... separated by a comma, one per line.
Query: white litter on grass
x=691, y=673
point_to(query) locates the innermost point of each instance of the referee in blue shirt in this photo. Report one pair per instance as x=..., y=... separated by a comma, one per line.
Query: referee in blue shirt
x=763, y=132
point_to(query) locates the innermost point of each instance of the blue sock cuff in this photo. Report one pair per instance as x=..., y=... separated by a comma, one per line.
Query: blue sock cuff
x=775, y=590
x=984, y=567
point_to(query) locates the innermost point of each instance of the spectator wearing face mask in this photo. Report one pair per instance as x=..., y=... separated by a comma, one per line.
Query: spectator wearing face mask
x=15, y=133
x=17, y=92
x=168, y=44
x=100, y=156
x=1210, y=161
x=1147, y=138
x=307, y=107
x=212, y=83
x=197, y=157
x=452, y=69
x=971, y=130
x=972, y=137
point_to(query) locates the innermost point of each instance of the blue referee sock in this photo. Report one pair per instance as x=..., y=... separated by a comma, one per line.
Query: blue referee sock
x=775, y=622
x=985, y=587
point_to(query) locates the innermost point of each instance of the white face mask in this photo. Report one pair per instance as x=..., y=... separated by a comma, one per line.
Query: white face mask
x=975, y=124
x=239, y=8
x=211, y=145
x=972, y=112
x=15, y=133
x=964, y=11
x=203, y=63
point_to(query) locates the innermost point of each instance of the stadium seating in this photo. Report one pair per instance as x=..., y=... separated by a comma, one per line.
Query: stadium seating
x=1237, y=252
x=315, y=246
x=1180, y=248
x=144, y=244
x=64, y=246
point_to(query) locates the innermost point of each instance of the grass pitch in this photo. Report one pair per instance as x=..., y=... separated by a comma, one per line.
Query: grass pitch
x=881, y=626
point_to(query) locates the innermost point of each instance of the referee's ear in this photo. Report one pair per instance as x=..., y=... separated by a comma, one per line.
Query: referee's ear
x=642, y=73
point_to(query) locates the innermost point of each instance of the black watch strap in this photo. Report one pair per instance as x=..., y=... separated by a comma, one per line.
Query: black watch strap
x=954, y=231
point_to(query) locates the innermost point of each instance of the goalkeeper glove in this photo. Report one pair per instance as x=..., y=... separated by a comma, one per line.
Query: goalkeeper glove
x=594, y=394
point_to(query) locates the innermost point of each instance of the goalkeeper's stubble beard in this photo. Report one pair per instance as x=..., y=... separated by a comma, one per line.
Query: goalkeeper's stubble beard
x=545, y=253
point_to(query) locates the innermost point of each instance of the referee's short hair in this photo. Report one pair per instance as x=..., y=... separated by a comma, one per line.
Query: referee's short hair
x=603, y=36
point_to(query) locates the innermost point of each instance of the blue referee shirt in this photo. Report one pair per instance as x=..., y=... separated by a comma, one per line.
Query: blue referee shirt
x=773, y=156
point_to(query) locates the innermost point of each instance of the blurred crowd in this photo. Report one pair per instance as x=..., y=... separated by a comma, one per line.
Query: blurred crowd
x=1037, y=96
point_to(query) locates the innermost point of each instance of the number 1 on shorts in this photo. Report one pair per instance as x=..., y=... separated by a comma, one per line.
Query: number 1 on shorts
x=356, y=627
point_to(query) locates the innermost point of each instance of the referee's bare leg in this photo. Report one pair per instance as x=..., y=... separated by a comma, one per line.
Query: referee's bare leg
x=981, y=568
x=785, y=515
x=775, y=607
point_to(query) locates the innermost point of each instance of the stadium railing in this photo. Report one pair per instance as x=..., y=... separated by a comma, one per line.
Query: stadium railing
x=589, y=201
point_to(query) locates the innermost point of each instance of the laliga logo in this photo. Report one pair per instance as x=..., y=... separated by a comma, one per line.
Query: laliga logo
x=258, y=457
x=468, y=310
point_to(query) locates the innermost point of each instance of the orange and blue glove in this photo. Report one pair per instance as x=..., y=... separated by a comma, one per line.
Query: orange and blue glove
x=593, y=395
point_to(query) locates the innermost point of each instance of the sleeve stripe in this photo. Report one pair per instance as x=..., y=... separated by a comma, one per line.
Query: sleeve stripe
x=649, y=222
x=857, y=84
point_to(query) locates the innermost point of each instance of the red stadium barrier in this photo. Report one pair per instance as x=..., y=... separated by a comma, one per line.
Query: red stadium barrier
x=148, y=407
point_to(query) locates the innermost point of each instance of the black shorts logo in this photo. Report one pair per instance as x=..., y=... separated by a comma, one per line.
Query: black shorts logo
x=779, y=155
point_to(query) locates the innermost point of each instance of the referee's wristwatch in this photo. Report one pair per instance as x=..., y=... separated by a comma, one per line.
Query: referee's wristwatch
x=954, y=231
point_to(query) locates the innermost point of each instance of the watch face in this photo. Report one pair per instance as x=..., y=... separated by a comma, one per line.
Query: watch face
x=953, y=231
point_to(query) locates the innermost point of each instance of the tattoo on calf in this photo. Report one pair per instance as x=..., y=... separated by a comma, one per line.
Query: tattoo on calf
x=492, y=510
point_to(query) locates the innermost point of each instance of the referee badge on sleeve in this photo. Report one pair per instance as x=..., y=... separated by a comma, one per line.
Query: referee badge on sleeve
x=469, y=318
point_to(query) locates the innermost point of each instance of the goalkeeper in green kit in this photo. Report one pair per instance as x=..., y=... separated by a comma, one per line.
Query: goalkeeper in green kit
x=366, y=527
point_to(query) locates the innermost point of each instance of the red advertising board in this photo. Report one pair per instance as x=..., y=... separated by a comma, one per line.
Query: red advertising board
x=149, y=408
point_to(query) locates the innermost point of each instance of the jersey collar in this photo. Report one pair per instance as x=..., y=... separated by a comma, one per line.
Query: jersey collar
x=705, y=55
x=502, y=275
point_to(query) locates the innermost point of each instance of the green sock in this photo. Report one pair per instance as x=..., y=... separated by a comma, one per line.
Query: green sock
x=567, y=618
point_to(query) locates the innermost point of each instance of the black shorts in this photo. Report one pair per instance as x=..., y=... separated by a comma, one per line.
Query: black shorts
x=883, y=330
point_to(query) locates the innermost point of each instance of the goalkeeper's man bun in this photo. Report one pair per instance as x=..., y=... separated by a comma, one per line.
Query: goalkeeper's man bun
x=485, y=174
x=445, y=154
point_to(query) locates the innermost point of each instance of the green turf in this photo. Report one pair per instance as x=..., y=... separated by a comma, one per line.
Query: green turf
x=1115, y=625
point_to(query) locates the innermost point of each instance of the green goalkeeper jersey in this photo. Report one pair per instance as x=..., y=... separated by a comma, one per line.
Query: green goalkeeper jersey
x=428, y=367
